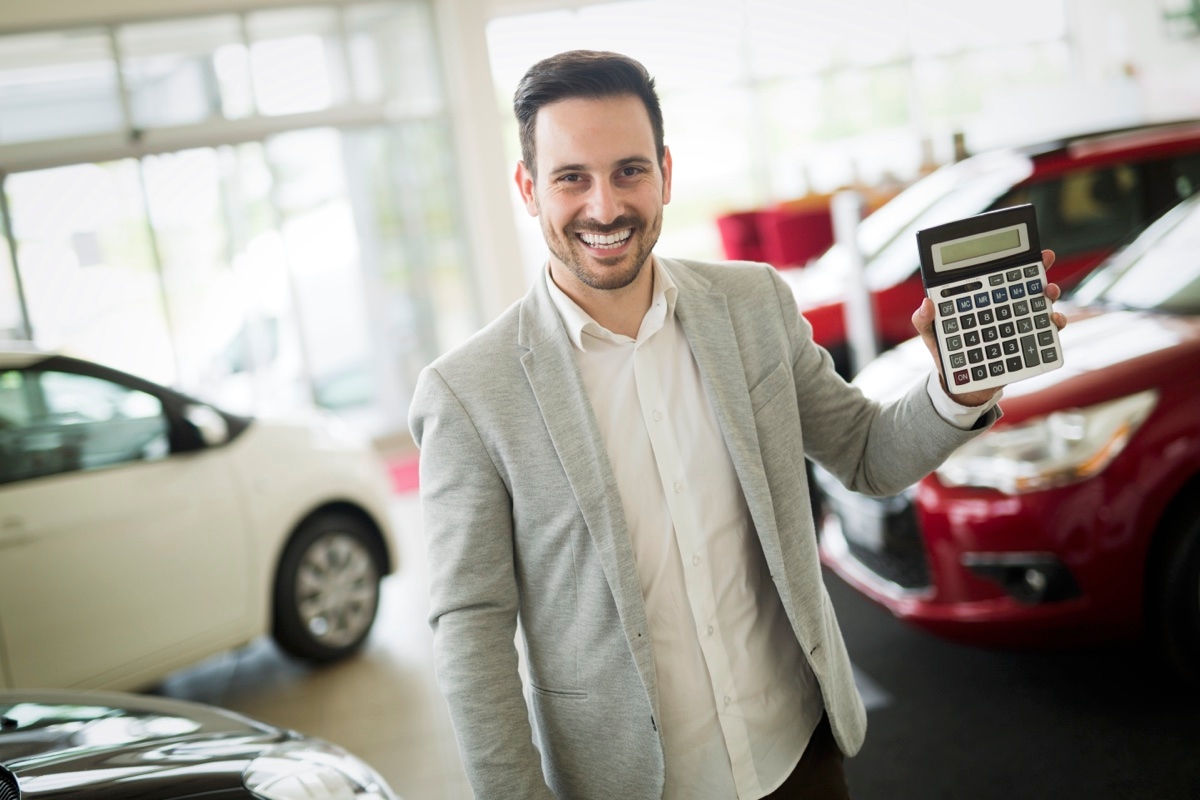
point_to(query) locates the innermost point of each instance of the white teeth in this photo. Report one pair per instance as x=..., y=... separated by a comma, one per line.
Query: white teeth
x=611, y=240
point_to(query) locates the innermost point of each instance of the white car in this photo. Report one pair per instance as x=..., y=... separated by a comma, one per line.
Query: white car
x=142, y=530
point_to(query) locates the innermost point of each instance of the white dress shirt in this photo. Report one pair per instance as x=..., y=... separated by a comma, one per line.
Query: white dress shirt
x=738, y=700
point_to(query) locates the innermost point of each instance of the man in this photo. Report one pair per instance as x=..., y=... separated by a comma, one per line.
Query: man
x=617, y=463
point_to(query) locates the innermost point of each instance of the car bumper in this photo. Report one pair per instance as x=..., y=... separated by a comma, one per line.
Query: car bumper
x=903, y=553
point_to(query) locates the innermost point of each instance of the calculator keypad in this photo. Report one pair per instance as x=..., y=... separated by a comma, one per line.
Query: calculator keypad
x=996, y=330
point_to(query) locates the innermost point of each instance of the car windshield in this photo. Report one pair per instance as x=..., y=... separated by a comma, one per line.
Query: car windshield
x=886, y=237
x=1159, y=271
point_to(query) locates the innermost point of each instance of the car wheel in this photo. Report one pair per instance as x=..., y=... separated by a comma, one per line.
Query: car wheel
x=1173, y=593
x=327, y=588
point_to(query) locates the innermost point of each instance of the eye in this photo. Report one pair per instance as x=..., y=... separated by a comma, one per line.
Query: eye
x=570, y=177
x=632, y=172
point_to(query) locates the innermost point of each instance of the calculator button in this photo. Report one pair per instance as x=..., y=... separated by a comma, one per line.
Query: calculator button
x=1014, y=363
x=1000, y=295
x=1021, y=308
x=967, y=321
x=979, y=373
x=1030, y=351
x=1031, y=271
x=971, y=338
x=1011, y=348
x=961, y=377
x=992, y=351
x=982, y=300
x=1025, y=325
x=1034, y=287
x=1045, y=338
x=1013, y=275
x=996, y=280
x=1007, y=330
x=985, y=317
x=950, y=325
x=954, y=343
x=946, y=308
x=976, y=355
x=958, y=360
x=996, y=368
x=964, y=304
x=1037, y=303
x=1049, y=355
x=966, y=287
x=1016, y=291
x=1041, y=321
x=1003, y=312
x=989, y=334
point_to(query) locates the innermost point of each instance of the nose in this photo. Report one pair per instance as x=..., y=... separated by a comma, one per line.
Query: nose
x=603, y=204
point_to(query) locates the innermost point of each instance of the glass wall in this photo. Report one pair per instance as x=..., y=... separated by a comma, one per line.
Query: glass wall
x=301, y=260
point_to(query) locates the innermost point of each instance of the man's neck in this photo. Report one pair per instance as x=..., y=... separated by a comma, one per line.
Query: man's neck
x=618, y=310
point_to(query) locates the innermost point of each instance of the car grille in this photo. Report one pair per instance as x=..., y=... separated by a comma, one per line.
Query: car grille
x=902, y=559
x=8, y=786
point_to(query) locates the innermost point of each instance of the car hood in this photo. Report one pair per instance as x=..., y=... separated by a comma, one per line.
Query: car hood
x=1106, y=354
x=822, y=282
x=93, y=745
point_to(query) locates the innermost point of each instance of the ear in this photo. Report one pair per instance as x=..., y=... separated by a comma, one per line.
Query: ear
x=666, y=170
x=525, y=185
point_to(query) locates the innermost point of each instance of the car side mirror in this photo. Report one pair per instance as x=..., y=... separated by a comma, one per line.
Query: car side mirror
x=213, y=428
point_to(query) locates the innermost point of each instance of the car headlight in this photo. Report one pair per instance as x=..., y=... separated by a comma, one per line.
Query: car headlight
x=312, y=770
x=1060, y=448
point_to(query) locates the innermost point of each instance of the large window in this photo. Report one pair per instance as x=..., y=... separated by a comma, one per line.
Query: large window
x=767, y=100
x=259, y=208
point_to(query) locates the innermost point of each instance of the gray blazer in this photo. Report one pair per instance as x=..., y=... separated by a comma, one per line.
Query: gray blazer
x=523, y=523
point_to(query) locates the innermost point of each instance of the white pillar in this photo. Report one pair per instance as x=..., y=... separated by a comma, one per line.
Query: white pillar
x=483, y=171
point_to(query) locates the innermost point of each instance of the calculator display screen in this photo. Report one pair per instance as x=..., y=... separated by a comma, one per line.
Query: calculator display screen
x=982, y=246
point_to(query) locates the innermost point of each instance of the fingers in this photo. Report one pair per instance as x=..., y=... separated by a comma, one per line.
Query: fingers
x=1053, y=292
x=1048, y=258
x=922, y=318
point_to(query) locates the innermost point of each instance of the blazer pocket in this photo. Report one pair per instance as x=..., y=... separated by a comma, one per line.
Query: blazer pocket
x=766, y=389
x=560, y=694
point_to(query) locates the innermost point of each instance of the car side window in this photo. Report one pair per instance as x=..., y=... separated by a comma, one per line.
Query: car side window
x=1085, y=209
x=54, y=422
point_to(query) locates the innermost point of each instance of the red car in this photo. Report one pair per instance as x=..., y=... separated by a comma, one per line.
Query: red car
x=1091, y=193
x=1077, y=517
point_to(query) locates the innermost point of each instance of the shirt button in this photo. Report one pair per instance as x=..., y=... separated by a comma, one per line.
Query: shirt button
x=696, y=560
x=710, y=630
x=678, y=487
x=728, y=699
x=657, y=416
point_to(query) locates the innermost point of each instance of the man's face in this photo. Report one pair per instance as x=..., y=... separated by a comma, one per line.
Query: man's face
x=599, y=191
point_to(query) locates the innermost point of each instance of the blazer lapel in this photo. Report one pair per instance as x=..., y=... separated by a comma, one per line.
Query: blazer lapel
x=704, y=315
x=562, y=400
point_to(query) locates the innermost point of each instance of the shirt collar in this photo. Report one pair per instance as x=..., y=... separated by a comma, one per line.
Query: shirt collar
x=578, y=322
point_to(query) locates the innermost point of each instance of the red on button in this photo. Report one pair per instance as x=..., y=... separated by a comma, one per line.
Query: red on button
x=961, y=377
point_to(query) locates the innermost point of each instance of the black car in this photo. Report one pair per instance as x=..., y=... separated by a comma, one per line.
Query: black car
x=89, y=746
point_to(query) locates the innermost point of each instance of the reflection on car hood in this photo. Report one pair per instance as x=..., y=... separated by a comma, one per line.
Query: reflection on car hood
x=94, y=745
x=1108, y=348
x=820, y=283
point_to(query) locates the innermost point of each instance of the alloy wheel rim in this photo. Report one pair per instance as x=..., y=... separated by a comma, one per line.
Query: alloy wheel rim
x=337, y=587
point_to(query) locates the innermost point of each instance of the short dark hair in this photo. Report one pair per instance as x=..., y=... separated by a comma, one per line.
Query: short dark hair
x=582, y=73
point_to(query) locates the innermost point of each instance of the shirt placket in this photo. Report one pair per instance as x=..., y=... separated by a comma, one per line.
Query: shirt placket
x=689, y=535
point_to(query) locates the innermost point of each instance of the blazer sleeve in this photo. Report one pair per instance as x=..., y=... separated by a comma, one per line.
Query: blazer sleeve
x=467, y=516
x=872, y=448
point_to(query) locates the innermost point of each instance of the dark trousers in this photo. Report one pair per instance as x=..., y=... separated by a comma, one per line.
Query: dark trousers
x=819, y=774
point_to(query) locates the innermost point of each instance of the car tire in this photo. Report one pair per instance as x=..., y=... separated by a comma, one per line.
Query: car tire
x=327, y=587
x=1173, y=593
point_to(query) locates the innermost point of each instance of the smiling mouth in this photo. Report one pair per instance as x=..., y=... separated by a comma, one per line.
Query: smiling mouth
x=603, y=241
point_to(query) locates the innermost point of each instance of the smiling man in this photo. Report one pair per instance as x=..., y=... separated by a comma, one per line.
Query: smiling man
x=617, y=464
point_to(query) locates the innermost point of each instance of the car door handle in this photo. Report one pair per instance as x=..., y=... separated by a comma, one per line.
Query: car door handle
x=13, y=532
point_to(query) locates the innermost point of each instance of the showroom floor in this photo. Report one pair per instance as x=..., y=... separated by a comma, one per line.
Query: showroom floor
x=382, y=705
x=946, y=721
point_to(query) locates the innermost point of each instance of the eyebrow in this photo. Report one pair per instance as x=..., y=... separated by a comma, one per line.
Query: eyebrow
x=624, y=162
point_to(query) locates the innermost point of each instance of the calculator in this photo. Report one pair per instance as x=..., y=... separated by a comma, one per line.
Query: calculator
x=987, y=281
